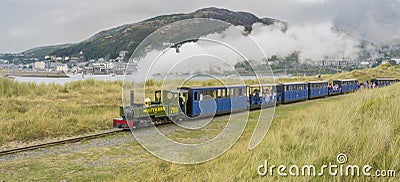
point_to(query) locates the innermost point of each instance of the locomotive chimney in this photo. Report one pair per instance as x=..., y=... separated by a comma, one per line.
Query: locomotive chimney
x=132, y=97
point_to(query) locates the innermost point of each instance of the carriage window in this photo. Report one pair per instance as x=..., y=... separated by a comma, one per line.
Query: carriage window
x=210, y=93
x=196, y=96
x=204, y=95
x=240, y=92
x=224, y=93
x=201, y=94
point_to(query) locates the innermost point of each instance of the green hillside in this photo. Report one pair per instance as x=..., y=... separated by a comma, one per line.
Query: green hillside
x=108, y=43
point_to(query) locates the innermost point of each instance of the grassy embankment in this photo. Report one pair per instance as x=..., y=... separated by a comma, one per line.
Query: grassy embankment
x=382, y=71
x=363, y=125
x=30, y=111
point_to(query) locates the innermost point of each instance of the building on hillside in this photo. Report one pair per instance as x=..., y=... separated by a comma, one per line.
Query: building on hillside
x=365, y=64
x=397, y=60
x=82, y=57
x=101, y=66
x=39, y=66
x=62, y=68
x=385, y=61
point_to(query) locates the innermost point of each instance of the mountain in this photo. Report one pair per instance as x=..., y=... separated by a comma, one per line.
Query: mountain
x=45, y=50
x=108, y=43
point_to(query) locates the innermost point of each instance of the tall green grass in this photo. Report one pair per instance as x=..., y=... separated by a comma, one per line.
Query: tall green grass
x=363, y=125
x=382, y=71
x=36, y=111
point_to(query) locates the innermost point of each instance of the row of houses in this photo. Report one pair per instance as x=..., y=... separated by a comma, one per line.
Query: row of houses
x=354, y=63
x=90, y=67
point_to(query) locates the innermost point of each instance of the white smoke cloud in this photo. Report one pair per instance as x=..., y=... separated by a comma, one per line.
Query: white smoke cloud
x=312, y=41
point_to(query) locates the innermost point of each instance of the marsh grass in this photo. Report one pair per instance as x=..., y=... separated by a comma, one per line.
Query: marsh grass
x=382, y=71
x=34, y=111
x=363, y=125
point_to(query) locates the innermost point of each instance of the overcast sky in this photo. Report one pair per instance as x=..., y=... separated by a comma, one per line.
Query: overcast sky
x=31, y=23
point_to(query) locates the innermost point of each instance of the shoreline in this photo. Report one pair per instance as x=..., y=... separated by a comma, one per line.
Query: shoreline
x=36, y=74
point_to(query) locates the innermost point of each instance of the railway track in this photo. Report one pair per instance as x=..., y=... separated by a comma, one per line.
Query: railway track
x=60, y=142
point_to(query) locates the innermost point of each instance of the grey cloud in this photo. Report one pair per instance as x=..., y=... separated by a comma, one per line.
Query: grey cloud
x=26, y=23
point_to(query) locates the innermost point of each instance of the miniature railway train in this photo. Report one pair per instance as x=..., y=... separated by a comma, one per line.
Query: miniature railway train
x=195, y=102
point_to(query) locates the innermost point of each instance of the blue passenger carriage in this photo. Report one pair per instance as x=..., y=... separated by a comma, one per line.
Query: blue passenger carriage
x=317, y=89
x=293, y=92
x=383, y=82
x=346, y=86
x=214, y=100
x=264, y=95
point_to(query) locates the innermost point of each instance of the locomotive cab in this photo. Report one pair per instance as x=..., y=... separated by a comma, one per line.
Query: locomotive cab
x=183, y=101
x=173, y=99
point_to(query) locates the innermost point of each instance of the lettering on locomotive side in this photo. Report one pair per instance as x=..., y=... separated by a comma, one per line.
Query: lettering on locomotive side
x=173, y=110
x=153, y=109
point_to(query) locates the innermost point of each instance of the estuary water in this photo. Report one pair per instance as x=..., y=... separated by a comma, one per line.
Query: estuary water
x=62, y=81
